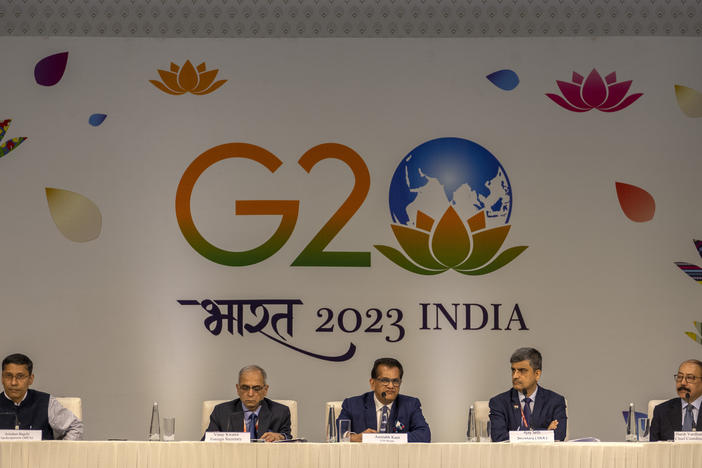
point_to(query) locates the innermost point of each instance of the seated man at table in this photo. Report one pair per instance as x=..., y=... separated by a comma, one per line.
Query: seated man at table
x=681, y=413
x=383, y=409
x=527, y=405
x=24, y=408
x=252, y=412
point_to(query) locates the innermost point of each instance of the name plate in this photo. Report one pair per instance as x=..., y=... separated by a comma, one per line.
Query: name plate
x=10, y=434
x=692, y=436
x=530, y=436
x=233, y=437
x=376, y=438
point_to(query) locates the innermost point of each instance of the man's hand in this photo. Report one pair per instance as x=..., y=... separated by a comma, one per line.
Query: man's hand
x=272, y=436
x=359, y=437
x=553, y=425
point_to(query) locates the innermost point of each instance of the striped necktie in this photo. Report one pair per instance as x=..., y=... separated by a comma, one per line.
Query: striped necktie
x=687, y=421
x=384, y=420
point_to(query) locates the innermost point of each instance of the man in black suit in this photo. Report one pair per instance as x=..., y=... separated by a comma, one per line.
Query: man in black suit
x=680, y=413
x=527, y=405
x=252, y=412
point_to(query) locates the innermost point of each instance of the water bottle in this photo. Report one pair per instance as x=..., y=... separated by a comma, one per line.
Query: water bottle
x=155, y=427
x=471, y=433
x=631, y=425
x=331, y=426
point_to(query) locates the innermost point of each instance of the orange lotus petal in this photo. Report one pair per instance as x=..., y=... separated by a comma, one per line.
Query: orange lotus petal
x=477, y=221
x=201, y=68
x=424, y=221
x=637, y=204
x=170, y=80
x=187, y=77
x=206, y=80
x=415, y=243
x=163, y=88
x=174, y=67
x=485, y=246
x=451, y=242
x=212, y=88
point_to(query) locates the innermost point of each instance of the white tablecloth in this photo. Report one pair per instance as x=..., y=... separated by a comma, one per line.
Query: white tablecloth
x=60, y=454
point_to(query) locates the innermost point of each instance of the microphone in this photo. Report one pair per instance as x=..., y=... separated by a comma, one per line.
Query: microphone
x=384, y=394
x=526, y=395
x=687, y=397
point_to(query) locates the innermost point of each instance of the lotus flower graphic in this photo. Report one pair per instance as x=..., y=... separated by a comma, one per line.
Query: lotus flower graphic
x=450, y=245
x=10, y=144
x=593, y=92
x=462, y=180
x=188, y=79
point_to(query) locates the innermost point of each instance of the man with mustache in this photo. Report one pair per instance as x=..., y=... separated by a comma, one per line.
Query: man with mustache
x=680, y=413
x=527, y=405
x=383, y=409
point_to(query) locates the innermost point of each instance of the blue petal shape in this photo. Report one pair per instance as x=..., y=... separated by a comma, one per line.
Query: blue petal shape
x=504, y=79
x=97, y=119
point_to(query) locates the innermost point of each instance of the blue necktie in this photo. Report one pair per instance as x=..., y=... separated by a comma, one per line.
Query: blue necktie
x=252, y=425
x=384, y=420
x=527, y=412
x=687, y=421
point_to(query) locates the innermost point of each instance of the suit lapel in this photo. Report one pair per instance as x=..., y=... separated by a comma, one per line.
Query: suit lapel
x=394, y=411
x=676, y=416
x=538, y=407
x=264, y=418
x=516, y=410
x=236, y=419
x=371, y=421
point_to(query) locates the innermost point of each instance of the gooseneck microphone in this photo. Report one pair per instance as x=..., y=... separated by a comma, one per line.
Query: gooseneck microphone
x=384, y=393
x=687, y=397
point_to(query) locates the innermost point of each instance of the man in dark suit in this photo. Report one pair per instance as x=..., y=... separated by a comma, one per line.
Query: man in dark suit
x=384, y=409
x=252, y=412
x=683, y=412
x=527, y=405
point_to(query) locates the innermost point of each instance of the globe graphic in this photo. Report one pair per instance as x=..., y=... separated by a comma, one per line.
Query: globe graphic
x=450, y=172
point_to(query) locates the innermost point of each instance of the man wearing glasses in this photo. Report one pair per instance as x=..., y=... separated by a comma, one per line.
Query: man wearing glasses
x=24, y=408
x=384, y=409
x=252, y=412
x=680, y=414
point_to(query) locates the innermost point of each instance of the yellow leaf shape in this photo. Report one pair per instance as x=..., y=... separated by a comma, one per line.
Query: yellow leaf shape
x=171, y=81
x=206, y=80
x=689, y=100
x=451, y=241
x=485, y=246
x=76, y=216
x=187, y=76
x=415, y=243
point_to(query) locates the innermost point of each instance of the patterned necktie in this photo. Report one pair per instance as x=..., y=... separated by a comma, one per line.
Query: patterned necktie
x=687, y=421
x=252, y=425
x=384, y=420
x=527, y=412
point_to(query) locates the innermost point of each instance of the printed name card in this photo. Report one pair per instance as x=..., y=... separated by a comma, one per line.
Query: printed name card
x=233, y=437
x=530, y=436
x=692, y=436
x=376, y=438
x=10, y=434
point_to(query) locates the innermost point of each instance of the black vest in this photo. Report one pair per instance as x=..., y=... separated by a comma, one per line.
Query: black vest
x=32, y=413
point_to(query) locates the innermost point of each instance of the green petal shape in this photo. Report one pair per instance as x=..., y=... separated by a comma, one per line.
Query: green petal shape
x=503, y=259
x=485, y=245
x=415, y=243
x=396, y=257
x=451, y=241
x=694, y=337
x=76, y=216
x=689, y=100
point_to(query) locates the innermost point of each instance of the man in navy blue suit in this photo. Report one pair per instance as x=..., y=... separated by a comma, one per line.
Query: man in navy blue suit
x=384, y=409
x=681, y=413
x=527, y=405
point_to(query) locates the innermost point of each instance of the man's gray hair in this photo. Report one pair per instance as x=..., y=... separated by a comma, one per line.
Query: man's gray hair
x=253, y=368
x=527, y=354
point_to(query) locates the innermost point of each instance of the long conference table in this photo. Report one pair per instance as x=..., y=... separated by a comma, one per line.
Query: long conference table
x=125, y=454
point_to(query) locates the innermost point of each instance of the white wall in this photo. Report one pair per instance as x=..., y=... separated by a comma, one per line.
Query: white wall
x=600, y=294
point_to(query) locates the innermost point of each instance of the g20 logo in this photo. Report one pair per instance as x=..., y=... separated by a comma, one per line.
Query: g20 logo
x=453, y=179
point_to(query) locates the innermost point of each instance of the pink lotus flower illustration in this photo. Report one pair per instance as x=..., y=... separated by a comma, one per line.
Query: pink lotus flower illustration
x=434, y=248
x=594, y=93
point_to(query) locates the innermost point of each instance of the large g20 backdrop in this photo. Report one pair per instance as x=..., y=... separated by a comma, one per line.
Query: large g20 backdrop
x=175, y=209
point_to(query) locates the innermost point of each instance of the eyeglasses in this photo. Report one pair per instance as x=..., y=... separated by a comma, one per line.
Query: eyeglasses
x=689, y=378
x=385, y=381
x=255, y=388
x=19, y=377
